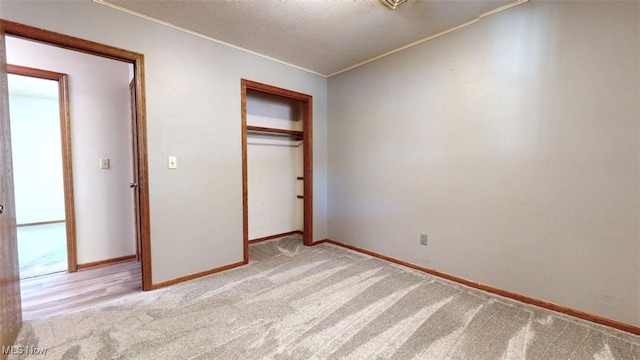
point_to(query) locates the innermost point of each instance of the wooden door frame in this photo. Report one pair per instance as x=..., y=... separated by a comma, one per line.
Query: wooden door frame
x=307, y=141
x=89, y=47
x=65, y=132
x=135, y=167
x=10, y=297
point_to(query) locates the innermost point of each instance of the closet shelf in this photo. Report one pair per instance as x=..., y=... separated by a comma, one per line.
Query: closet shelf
x=260, y=129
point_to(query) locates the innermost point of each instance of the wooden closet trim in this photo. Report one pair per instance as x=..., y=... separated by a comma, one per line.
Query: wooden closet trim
x=307, y=141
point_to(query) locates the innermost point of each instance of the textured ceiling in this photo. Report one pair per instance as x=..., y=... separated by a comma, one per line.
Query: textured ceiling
x=324, y=36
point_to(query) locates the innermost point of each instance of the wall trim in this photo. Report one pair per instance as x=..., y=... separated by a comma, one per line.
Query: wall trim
x=276, y=236
x=41, y=223
x=431, y=37
x=197, y=275
x=504, y=293
x=116, y=260
x=202, y=36
x=194, y=33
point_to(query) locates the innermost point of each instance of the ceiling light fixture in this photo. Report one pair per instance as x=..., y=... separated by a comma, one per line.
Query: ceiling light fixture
x=393, y=4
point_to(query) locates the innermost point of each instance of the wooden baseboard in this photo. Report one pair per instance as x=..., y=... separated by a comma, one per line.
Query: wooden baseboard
x=221, y=268
x=196, y=275
x=106, y=262
x=41, y=223
x=275, y=236
x=522, y=298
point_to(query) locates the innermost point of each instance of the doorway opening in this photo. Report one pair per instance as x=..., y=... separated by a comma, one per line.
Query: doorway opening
x=277, y=163
x=94, y=127
x=12, y=297
x=41, y=150
x=140, y=178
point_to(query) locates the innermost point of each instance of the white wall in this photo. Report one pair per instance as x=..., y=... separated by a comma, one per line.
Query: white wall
x=193, y=109
x=273, y=111
x=100, y=127
x=513, y=143
x=272, y=186
x=273, y=164
x=37, y=154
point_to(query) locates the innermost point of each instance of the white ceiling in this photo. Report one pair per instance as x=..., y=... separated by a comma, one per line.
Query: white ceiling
x=322, y=36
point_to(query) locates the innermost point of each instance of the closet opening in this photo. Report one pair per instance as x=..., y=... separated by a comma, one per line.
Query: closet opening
x=277, y=164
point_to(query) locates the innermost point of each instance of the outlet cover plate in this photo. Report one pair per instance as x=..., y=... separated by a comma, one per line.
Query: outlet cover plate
x=105, y=163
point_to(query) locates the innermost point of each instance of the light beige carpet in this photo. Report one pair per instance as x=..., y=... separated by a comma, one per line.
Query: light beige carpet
x=297, y=302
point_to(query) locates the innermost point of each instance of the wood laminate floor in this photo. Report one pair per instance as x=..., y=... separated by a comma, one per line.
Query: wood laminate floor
x=59, y=293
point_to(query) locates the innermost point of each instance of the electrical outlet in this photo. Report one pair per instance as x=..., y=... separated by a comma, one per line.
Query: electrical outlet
x=104, y=163
x=423, y=239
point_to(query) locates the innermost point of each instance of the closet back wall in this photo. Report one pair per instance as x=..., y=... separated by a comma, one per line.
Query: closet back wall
x=273, y=163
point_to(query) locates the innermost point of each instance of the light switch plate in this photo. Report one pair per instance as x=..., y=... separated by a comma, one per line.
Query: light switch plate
x=172, y=162
x=104, y=163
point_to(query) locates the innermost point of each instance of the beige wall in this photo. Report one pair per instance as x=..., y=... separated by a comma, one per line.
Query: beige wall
x=193, y=109
x=513, y=143
x=100, y=128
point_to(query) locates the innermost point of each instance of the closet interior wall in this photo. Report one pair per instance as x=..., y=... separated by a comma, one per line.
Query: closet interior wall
x=274, y=166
